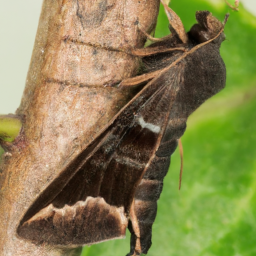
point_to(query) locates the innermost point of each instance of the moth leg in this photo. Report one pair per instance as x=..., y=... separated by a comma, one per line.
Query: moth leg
x=181, y=161
x=176, y=25
x=151, y=38
x=135, y=244
x=143, y=52
x=138, y=80
x=135, y=81
x=235, y=8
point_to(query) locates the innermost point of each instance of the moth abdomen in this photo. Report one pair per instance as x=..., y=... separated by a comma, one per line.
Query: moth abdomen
x=167, y=148
x=149, y=190
x=157, y=169
x=145, y=201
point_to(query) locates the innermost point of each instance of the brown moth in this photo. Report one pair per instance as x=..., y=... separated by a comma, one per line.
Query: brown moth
x=115, y=181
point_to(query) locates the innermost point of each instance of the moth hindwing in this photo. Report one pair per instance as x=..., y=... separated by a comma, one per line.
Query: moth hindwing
x=116, y=180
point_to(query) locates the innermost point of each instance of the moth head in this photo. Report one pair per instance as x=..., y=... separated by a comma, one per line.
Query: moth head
x=207, y=27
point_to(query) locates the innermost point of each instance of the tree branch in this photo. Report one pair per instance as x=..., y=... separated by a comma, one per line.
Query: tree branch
x=80, y=47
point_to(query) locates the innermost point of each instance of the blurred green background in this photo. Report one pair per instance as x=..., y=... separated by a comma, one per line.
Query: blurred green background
x=214, y=214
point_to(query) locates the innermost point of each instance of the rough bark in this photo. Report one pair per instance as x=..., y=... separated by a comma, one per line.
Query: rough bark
x=80, y=46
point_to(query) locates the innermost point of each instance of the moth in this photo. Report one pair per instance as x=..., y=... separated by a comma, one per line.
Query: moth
x=116, y=180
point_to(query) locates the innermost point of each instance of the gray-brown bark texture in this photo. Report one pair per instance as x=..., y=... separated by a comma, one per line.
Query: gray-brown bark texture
x=80, y=46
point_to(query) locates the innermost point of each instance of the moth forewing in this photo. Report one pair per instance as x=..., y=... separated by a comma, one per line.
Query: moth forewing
x=120, y=156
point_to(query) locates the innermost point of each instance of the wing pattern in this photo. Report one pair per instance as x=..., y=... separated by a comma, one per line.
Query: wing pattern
x=110, y=168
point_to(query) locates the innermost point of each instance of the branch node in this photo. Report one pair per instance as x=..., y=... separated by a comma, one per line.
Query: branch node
x=10, y=126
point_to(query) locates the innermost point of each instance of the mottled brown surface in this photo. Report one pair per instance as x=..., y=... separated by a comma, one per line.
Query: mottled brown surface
x=85, y=222
x=64, y=103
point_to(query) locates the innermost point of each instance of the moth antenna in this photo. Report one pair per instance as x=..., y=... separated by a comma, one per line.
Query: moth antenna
x=167, y=1
x=235, y=8
x=181, y=161
x=175, y=23
x=225, y=19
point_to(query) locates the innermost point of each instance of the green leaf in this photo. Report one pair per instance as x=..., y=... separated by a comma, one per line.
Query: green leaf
x=214, y=214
